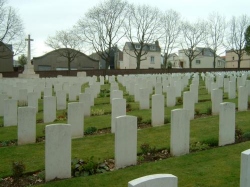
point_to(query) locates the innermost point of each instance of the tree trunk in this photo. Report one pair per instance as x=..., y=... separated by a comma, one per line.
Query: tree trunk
x=138, y=62
x=214, y=62
x=69, y=68
x=107, y=63
x=190, y=63
x=239, y=63
x=165, y=63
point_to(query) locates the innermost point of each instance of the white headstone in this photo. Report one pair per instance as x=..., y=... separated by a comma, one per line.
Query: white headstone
x=156, y=180
x=171, y=98
x=10, y=112
x=116, y=94
x=47, y=91
x=26, y=125
x=242, y=98
x=2, y=98
x=248, y=87
x=49, y=109
x=92, y=99
x=76, y=119
x=217, y=98
x=245, y=169
x=85, y=98
x=125, y=141
x=226, y=85
x=227, y=123
x=158, y=88
x=136, y=94
x=33, y=100
x=73, y=92
x=188, y=103
x=57, y=151
x=177, y=85
x=118, y=109
x=23, y=98
x=195, y=89
x=158, y=110
x=61, y=97
x=180, y=132
x=232, y=90
x=144, y=98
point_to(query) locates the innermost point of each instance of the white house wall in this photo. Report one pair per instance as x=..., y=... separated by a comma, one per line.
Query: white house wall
x=129, y=62
x=205, y=61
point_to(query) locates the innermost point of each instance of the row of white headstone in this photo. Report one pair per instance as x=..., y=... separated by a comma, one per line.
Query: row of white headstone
x=58, y=140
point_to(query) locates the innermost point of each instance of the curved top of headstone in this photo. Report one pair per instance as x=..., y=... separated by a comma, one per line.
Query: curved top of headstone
x=157, y=180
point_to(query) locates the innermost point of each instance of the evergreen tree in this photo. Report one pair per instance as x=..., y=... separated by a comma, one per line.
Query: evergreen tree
x=22, y=60
x=247, y=38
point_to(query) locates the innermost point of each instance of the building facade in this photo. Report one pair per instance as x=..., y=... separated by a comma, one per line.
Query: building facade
x=232, y=60
x=6, y=58
x=204, y=59
x=54, y=61
x=152, y=59
x=116, y=58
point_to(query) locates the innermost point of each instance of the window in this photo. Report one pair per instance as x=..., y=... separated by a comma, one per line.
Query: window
x=219, y=63
x=233, y=57
x=137, y=46
x=152, y=47
x=152, y=59
x=44, y=68
x=198, y=61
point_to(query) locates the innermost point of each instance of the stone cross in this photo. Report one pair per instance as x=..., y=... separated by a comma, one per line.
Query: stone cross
x=28, y=54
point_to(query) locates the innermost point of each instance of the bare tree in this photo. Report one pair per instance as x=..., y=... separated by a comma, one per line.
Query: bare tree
x=193, y=35
x=142, y=28
x=215, y=33
x=101, y=27
x=171, y=29
x=236, y=38
x=66, y=44
x=11, y=29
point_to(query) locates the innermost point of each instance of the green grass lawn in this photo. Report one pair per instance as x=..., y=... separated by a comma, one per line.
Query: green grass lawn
x=210, y=168
x=214, y=167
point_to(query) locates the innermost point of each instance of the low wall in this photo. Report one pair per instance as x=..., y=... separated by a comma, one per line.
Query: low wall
x=99, y=72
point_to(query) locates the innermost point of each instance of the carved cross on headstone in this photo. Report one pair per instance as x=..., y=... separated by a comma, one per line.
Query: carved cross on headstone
x=28, y=54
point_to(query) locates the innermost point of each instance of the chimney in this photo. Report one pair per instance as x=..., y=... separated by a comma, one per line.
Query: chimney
x=157, y=43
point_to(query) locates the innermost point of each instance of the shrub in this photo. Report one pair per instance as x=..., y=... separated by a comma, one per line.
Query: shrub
x=130, y=99
x=147, y=121
x=80, y=167
x=198, y=146
x=97, y=112
x=128, y=107
x=90, y=130
x=17, y=169
x=179, y=100
x=139, y=119
x=212, y=142
x=147, y=149
x=197, y=111
x=209, y=110
x=167, y=120
x=238, y=134
x=90, y=166
x=246, y=136
x=104, y=93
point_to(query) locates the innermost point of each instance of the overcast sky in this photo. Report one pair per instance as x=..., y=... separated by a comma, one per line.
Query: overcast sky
x=42, y=18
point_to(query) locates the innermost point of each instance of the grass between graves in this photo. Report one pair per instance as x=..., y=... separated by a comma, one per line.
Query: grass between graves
x=215, y=167
x=102, y=146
